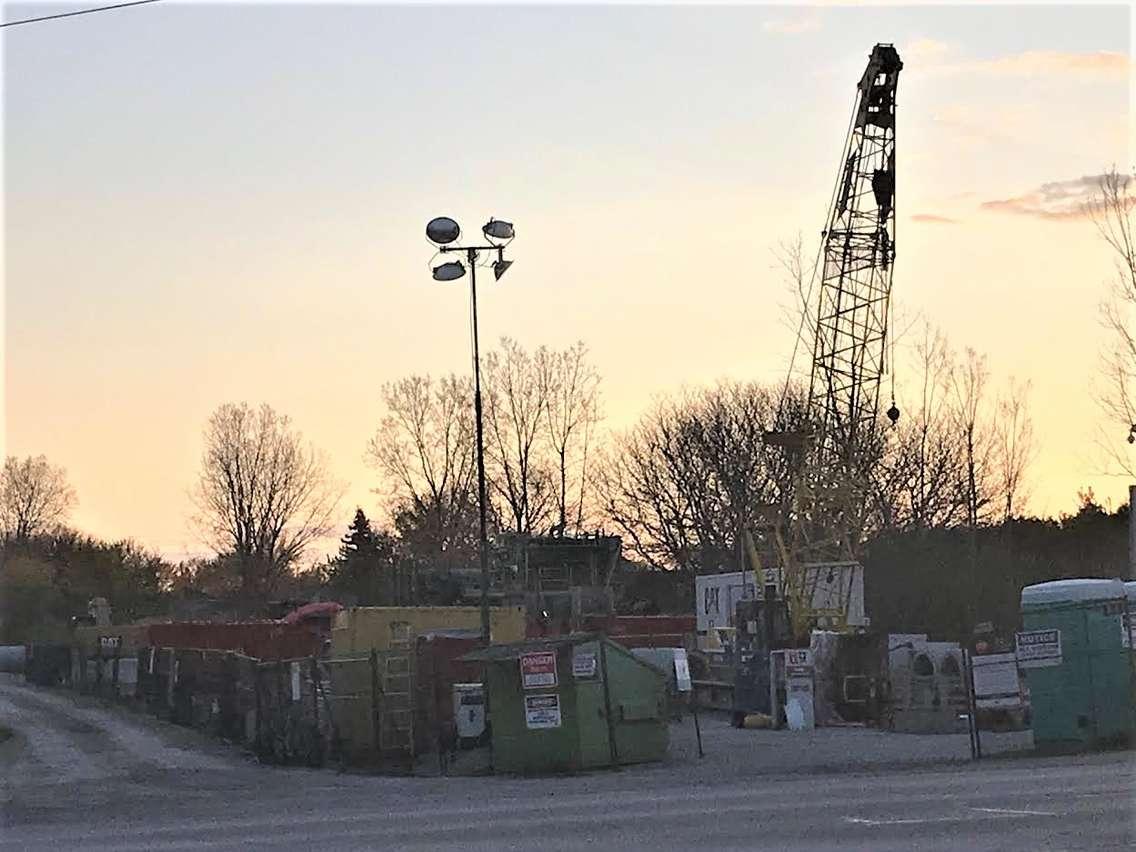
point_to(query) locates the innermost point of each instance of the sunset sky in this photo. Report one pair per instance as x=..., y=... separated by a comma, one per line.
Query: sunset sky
x=214, y=203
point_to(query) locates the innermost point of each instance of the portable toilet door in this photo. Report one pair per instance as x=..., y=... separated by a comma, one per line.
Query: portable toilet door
x=1076, y=662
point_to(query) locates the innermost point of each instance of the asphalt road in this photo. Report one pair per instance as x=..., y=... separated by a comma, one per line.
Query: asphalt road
x=83, y=776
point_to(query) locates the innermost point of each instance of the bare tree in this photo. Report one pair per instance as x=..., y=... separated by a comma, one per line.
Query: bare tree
x=263, y=496
x=34, y=497
x=920, y=481
x=569, y=386
x=1014, y=448
x=938, y=468
x=968, y=382
x=646, y=492
x=424, y=449
x=514, y=413
x=690, y=478
x=798, y=268
x=1112, y=213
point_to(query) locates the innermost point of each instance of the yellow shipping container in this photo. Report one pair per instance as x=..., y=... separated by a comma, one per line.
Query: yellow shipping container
x=359, y=629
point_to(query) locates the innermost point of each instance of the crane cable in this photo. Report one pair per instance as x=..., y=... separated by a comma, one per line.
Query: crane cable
x=73, y=14
x=816, y=261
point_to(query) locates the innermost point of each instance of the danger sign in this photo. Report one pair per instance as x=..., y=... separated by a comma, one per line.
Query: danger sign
x=538, y=670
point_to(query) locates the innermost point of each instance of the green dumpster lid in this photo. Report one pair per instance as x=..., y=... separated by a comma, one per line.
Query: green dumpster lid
x=1065, y=591
x=513, y=650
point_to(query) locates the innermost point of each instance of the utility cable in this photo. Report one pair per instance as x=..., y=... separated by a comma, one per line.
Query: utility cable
x=72, y=14
x=820, y=251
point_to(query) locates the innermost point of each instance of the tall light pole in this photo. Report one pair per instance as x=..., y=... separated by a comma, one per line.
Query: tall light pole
x=443, y=232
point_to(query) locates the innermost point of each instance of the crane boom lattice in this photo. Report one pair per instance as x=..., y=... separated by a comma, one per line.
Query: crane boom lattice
x=819, y=541
x=850, y=340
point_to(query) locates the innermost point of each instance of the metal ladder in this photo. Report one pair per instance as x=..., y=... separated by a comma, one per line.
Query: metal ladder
x=396, y=715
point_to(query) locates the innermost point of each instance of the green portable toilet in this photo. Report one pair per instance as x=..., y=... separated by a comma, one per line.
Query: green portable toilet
x=572, y=702
x=1073, y=650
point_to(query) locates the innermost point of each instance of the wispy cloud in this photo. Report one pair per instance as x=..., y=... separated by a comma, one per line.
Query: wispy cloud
x=932, y=218
x=926, y=55
x=924, y=51
x=802, y=23
x=1096, y=63
x=1057, y=201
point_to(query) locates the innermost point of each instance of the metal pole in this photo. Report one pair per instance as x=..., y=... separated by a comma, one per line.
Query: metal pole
x=483, y=548
x=1131, y=532
x=971, y=705
x=614, y=751
x=697, y=727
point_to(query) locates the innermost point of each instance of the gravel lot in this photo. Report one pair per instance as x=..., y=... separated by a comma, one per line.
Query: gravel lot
x=736, y=752
x=79, y=774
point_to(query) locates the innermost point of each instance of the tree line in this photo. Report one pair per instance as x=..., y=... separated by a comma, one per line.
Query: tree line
x=682, y=485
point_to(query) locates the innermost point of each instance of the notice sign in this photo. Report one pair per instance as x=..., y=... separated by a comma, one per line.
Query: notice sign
x=538, y=670
x=1039, y=648
x=584, y=665
x=542, y=711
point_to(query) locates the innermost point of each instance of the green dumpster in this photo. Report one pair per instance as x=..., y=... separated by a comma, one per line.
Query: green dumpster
x=1074, y=651
x=572, y=702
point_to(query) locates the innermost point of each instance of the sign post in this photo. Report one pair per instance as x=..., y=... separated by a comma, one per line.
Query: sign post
x=971, y=706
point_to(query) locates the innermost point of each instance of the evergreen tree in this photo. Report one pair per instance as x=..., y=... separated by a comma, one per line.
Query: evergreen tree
x=360, y=541
x=363, y=570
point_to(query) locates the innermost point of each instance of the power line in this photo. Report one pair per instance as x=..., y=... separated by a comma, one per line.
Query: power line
x=80, y=12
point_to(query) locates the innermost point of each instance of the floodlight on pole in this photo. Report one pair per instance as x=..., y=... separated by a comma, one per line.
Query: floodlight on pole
x=499, y=267
x=442, y=232
x=451, y=271
x=495, y=229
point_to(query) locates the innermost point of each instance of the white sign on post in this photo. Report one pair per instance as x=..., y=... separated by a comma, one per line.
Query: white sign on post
x=1039, y=648
x=682, y=673
x=996, y=681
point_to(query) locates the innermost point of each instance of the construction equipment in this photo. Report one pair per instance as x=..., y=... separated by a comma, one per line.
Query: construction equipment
x=819, y=528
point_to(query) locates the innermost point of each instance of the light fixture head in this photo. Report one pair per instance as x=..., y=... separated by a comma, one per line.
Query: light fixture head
x=499, y=267
x=451, y=271
x=496, y=230
x=442, y=230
